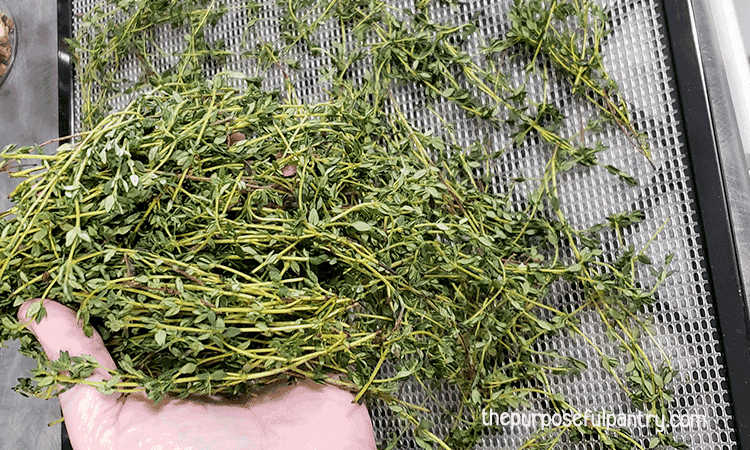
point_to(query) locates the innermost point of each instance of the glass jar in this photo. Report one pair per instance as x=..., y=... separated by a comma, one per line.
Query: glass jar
x=8, y=41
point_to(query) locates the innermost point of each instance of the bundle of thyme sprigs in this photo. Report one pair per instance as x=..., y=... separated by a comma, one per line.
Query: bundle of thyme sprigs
x=222, y=237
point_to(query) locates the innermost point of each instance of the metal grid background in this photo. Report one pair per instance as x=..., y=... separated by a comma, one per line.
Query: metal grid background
x=636, y=56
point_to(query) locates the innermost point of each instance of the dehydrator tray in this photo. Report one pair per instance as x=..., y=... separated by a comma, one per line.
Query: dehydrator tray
x=700, y=319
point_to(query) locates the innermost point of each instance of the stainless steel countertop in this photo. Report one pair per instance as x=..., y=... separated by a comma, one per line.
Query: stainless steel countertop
x=725, y=75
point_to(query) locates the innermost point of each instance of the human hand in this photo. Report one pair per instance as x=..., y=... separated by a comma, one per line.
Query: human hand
x=307, y=415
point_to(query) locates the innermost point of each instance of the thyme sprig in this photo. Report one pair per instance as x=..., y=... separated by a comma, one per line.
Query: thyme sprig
x=570, y=34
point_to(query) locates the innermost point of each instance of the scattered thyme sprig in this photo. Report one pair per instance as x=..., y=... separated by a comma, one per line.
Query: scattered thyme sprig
x=114, y=35
x=570, y=34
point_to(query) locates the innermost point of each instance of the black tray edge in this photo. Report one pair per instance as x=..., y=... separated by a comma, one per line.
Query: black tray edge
x=64, y=67
x=722, y=260
x=65, y=106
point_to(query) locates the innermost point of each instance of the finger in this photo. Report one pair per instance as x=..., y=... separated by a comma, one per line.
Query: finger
x=60, y=331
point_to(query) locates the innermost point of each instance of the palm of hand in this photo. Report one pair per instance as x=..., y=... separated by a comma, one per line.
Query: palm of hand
x=302, y=416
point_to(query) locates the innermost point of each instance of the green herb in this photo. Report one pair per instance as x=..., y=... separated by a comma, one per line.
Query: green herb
x=116, y=34
x=221, y=237
x=561, y=31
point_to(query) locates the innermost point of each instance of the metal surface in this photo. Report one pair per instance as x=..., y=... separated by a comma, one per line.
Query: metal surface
x=728, y=122
x=28, y=114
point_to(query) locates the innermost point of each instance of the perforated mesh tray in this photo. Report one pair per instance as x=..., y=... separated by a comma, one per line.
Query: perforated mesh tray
x=638, y=55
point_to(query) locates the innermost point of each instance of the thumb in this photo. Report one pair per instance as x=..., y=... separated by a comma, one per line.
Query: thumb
x=60, y=331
